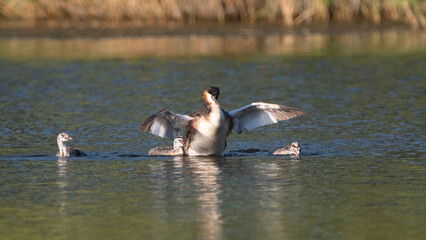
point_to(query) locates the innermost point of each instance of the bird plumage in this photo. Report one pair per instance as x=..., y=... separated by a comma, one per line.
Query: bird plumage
x=176, y=150
x=165, y=124
x=207, y=130
x=259, y=114
x=293, y=150
x=64, y=150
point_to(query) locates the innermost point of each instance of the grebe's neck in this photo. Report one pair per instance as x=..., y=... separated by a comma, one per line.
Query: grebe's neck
x=215, y=107
x=63, y=149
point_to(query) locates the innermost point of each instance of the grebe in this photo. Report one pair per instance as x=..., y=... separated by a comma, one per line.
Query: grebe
x=168, y=151
x=292, y=150
x=207, y=129
x=65, y=151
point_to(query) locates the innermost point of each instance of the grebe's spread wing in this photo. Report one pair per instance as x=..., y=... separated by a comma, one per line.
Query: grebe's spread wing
x=165, y=123
x=260, y=114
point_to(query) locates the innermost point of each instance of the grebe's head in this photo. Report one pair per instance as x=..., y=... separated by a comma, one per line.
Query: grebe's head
x=63, y=137
x=214, y=91
x=211, y=95
x=295, y=148
x=177, y=143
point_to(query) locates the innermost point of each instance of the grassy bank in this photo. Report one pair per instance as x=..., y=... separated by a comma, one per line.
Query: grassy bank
x=287, y=12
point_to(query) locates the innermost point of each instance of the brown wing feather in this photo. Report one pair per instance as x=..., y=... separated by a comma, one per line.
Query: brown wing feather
x=146, y=125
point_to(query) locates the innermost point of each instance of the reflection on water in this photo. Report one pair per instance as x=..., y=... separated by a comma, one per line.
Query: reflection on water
x=318, y=43
x=62, y=184
x=360, y=175
x=62, y=166
x=212, y=198
x=205, y=178
x=62, y=171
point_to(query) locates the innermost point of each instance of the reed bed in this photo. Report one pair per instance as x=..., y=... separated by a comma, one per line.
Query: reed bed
x=287, y=12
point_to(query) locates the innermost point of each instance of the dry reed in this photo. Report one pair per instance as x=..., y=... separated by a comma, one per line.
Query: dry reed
x=288, y=12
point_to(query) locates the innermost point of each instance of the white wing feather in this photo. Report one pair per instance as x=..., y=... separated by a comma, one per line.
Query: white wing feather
x=165, y=123
x=260, y=114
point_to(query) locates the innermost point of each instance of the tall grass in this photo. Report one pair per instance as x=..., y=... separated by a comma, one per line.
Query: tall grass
x=287, y=12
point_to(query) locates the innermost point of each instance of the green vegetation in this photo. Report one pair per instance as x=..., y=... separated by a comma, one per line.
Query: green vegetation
x=287, y=12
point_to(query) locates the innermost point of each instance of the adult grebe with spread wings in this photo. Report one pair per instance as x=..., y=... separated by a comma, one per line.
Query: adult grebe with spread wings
x=207, y=129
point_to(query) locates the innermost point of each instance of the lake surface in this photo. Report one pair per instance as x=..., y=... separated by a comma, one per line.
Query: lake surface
x=361, y=174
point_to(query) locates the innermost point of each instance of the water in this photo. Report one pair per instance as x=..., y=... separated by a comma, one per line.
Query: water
x=361, y=174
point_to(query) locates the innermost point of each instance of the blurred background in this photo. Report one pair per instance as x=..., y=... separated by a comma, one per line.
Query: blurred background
x=134, y=28
x=286, y=12
x=97, y=68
